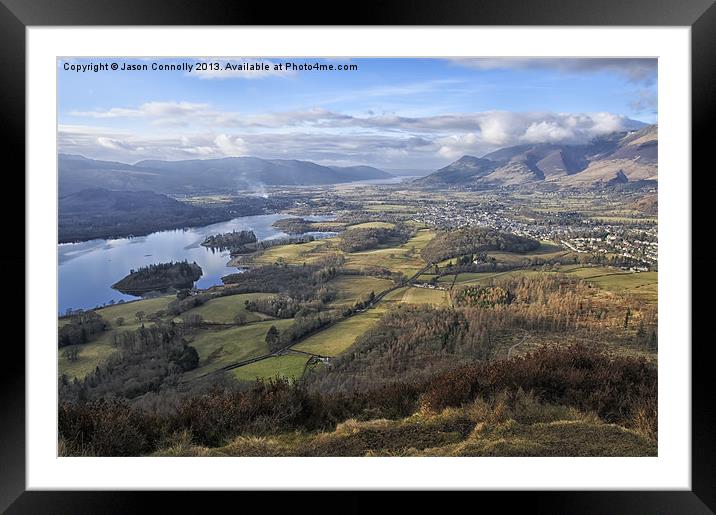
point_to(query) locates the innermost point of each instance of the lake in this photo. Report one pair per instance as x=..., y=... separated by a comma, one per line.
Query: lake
x=87, y=270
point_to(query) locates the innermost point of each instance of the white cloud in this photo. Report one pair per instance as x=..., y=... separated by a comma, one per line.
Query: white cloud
x=329, y=137
x=495, y=127
x=543, y=132
x=159, y=113
x=502, y=129
x=115, y=144
x=230, y=146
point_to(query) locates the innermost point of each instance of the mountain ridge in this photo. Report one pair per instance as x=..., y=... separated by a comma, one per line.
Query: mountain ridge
x=77, y=173
x=617, y=158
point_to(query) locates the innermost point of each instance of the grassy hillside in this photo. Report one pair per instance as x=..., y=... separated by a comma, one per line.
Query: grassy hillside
x=352, y=288
x=222, y=310
x=290, y=366
x=95, y=352
x=643, y=284
x=218, y=348
x=373, y=225
x=426, y=296
x=338, y=338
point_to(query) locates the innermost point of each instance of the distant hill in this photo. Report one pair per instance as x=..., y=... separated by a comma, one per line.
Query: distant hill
x=464, y=170
x=101, y=213
x=617, y=159
x=200, y=175
x=100, y=201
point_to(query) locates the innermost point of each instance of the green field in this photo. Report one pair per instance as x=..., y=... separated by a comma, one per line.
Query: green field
x=220, y=348
x=95, y=352
x=127, y=310
x=468, y=277
x=395, y=259
x=286, y=365
x=643, y=284
x=222, y=310
x=341, y=336
x=404, y=258
x=426, y=296
x=421, y=238
x=352, y=288
x=330, y=223
x=546, y=250
x=392, y=299
x=400, y=258
x=373, y=225
x=91, y=355
x=295, y=253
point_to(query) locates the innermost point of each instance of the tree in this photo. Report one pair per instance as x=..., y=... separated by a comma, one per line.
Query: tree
x=71, y=354
x=272, y=338
x=81, y=328
x=192, y=319
x=487, y=347
x=240, y=318
x=140, y=315
x=189, y=359
x=120, y=321
x=640, y=331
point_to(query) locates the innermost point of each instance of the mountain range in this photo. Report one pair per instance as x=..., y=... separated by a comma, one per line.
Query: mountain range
x=618, y=158
x=77, y=173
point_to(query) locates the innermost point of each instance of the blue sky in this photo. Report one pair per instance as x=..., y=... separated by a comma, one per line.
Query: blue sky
x=390, y=113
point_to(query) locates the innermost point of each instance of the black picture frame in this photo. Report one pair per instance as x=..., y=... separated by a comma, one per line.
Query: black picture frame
x=16, y=15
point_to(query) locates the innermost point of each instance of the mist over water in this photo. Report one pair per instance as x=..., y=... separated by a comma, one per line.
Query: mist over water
x=87, y=270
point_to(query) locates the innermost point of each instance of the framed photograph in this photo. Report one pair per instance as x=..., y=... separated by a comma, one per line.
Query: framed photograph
x=427, y=248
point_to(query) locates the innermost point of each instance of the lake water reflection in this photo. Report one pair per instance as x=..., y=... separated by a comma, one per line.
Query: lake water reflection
x=88, y=269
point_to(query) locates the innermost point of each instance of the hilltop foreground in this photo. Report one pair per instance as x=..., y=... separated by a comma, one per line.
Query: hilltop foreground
x=553, y=402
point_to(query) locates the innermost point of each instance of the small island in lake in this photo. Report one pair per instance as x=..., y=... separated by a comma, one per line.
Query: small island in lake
x=161, y=277
x=236, y=241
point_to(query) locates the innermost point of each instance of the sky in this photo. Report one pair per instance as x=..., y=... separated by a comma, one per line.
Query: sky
x=390, y=113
